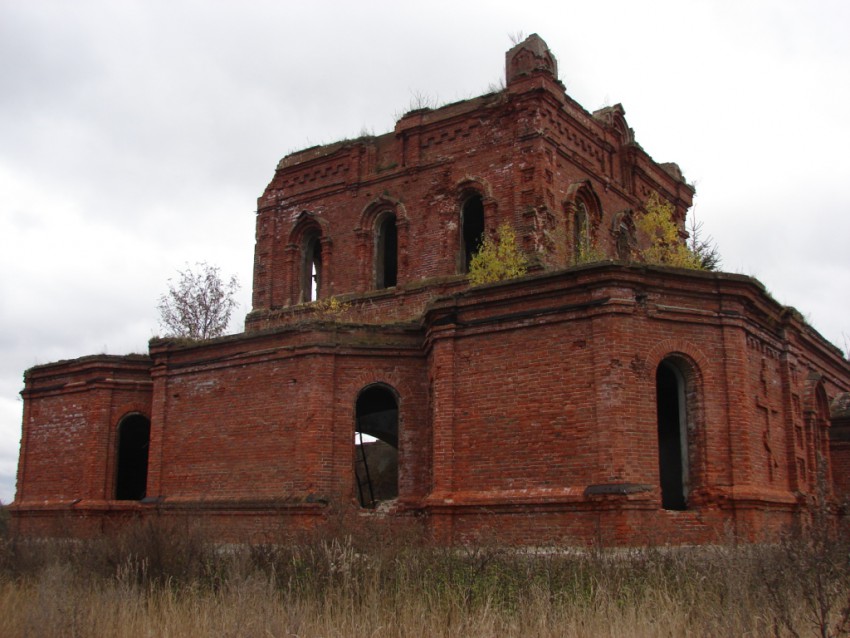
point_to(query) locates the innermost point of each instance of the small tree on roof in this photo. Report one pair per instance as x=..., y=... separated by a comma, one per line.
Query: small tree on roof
x=704, y=248
x=199, y=304
x=497, y=259
x=666, y=245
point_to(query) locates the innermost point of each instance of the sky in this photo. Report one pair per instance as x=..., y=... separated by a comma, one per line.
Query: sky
x=135, y=137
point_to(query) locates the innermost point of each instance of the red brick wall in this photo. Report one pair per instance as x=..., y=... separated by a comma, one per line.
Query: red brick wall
x=840, y=450
x=527, y=413
x=72, y=411
x=547, y=404
x=841, y=470
x=528, y=150
x=274, y=419
x=527, y=409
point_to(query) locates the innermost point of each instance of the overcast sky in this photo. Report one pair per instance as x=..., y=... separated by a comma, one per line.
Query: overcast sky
x=136, y=136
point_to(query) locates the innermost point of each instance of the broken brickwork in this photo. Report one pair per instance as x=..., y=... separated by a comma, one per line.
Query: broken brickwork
x=587, y=401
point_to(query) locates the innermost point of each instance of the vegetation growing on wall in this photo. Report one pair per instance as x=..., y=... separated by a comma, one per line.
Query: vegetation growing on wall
x=498, y=258
x=331, y=308
x=703, y=247
x=587, y=252
x=665, y=246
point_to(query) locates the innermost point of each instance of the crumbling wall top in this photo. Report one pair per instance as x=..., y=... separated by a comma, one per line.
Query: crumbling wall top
x=529, y=56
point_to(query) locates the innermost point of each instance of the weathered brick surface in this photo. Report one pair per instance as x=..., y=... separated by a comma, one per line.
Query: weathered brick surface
x=840, y=446
x=527, y=410
x=70, y=413
x=530, y=151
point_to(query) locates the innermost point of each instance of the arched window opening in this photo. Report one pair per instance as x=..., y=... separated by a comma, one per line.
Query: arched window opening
x=582, y=235
x=472, y=221
x=386, y=253
x=624, y=235
x=133, y=442
x=584, y=212
x=621, y=130
x=376, y=446
x=311, y=269
x=672, y=436
x=624, y=243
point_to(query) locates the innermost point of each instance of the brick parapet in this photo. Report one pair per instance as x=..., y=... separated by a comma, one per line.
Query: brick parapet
x=267, y=416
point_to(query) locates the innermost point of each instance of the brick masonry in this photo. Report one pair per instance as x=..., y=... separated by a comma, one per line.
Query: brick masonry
x=527, y=410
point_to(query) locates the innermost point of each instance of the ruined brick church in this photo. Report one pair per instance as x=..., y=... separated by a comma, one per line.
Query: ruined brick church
x=595, y=398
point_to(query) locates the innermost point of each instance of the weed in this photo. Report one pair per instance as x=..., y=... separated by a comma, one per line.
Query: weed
x=330, y=309
x=498, y=259
x=358, y=576
x=666, y=246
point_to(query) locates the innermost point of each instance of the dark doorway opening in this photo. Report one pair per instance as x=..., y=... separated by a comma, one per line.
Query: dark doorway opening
x=133, y=443
x=376, y=446
x=472, y=216
x=672, y=437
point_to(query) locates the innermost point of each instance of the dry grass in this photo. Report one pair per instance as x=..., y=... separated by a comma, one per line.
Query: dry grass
x=160, y=580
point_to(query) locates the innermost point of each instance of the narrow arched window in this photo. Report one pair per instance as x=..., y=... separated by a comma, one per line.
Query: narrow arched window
x=376, y=445
x=624, y=235
x=311, y=268
x=624, y=250
x=386, y=253
x=132, y=471
x=672, y=435
x=472, y=224
x=582, y=239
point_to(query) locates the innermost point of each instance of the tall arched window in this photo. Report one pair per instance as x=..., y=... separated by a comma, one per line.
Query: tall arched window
x=131, y=477
x=672, y=406
x=376, y=445
x=624, y=235
x=311, y=267
x=472, y=224
x=386, y=252
x=584, y=211
x=582, y=234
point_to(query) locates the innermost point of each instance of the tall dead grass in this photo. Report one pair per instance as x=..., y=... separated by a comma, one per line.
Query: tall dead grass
x=159, y=579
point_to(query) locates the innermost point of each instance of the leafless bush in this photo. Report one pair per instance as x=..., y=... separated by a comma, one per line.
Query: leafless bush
x=4, y=521
x=199, y=304
x=159, y=551
x=807, y=576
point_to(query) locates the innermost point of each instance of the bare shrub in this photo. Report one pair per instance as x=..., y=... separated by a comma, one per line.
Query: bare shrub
x=5, y=521
x=807, y=576
x=199, y=304
x=160, y=551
